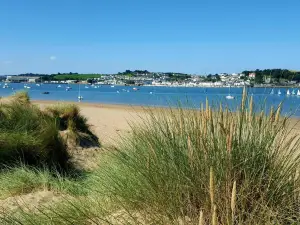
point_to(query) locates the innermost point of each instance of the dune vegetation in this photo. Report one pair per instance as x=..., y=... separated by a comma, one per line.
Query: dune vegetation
x=37, y=137
x=29, y=135
x=177, y=166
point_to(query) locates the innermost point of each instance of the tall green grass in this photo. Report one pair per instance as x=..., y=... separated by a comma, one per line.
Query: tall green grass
x=34, y=154
x=29, y=135
x=22, y=180
x=41, y=137
x=234, y=168
x=21, y=97
x=208, y=166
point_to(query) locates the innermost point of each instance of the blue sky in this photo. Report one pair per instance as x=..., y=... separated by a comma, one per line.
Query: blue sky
x=107, y=36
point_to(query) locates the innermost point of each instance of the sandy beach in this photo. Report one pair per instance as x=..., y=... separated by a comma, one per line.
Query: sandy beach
x=109, y=121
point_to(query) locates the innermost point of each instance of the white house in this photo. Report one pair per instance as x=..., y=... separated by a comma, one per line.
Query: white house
x=252, y=75
x=33, y=79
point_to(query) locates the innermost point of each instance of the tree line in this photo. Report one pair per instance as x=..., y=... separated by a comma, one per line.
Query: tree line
x=276, y=75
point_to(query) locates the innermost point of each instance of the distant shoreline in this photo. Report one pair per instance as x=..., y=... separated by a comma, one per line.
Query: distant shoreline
x=171, y=86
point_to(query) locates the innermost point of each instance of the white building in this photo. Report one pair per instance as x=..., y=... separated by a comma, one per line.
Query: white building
x=21, y=79
x=33, y=79
x=252, y=75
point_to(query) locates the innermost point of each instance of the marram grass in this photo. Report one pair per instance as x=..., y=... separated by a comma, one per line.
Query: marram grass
x=208, y=166
x=234, y=167
x=28, y=135
x=69, y=119
x=38, y=137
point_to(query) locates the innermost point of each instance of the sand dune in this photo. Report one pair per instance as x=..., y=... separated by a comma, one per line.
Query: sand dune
x=107, y=121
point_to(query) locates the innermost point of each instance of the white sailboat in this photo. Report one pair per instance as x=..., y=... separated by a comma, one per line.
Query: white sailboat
x=272, y=92
x=5, y=85
x=79, y=96
x=279, y=92
x=39, y=84
x=293, y=92
x=229, y=96
x=298, y=93
x=288, y=92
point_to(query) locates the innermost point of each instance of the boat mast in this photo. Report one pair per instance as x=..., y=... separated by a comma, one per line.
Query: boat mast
x=79, y=97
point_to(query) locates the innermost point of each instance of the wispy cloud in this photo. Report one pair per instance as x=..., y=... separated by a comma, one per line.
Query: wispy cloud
x=7, y=62
x=53, y=58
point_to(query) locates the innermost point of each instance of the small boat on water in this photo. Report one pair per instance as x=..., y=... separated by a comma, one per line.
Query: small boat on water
x=298, y=93
x=68, y=88
x=293, y=92
x=59, y=86
x=5, y=85
x=38, y=85
x=79, y=95
x=46, y=93
x=272, y=92
x=229, y=96
x=279, y=92
x=112, y=86
x=150, y=92
x=288, y=92
x=135, y=89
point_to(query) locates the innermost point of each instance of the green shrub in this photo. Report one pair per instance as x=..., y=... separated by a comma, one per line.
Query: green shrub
x=234, y=168
x=30, y=136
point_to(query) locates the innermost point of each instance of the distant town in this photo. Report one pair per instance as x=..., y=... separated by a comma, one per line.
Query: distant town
x=257, y=78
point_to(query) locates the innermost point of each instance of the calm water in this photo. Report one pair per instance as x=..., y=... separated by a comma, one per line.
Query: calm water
x=156, y=96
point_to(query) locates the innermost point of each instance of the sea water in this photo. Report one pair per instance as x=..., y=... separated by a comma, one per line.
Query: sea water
x=158, y=96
